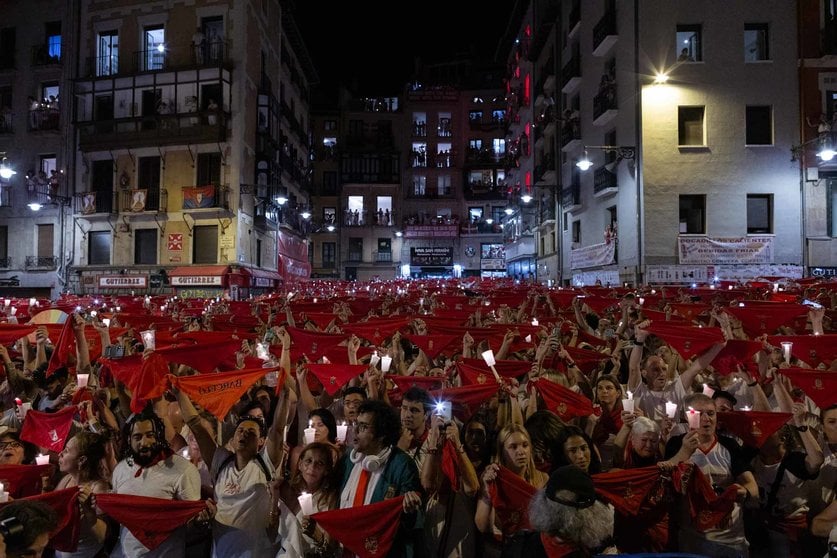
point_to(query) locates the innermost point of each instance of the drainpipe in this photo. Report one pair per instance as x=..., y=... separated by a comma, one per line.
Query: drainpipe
x=640, y=213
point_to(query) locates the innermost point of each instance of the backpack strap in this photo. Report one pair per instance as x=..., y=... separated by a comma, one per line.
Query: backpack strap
x=230, y=458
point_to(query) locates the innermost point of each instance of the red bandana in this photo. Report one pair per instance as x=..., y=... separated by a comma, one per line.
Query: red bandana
x=505, y=368
x=150, y=520
x=556, y=548
x=820, y=386
x=376, y=331
x=149, y=383
x=203, y=357
x=48, y=430
x=218, y=392
x=380, y=522
x=432, y=345
x=564, y=402
x=753, y=427
x=428, y=383
x=466, y=399
x=812, y=349
x=736, y=352
x=688, y=311
x=707, y=509
x=9, y=333
x=24, y=480
x=626, y=489
x=510, y=496
x=687, y=340
x=64, y=348
x=450, y=464
x=765, y=317
x=335, y=376
x=314, y=344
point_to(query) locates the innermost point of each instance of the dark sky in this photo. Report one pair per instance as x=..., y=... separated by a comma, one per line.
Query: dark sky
x=376, y=42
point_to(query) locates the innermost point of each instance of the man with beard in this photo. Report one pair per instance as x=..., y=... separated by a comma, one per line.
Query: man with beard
x=569, y=521
x=375, y=469
x=152, y=469
x=241, y=476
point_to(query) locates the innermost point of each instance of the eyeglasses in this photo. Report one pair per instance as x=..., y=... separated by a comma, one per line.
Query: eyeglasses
x=362, y=427
x=10, y=445
x=316, y=463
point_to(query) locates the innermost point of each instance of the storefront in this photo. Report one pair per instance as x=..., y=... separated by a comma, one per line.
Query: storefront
x=209, y=281
x=262, y=281
x=431, y=262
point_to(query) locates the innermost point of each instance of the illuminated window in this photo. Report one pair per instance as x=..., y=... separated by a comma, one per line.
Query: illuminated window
x=756, y=44
x=689, y=43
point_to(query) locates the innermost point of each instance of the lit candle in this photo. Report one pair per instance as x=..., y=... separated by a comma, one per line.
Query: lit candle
x=628, y=404
x=786, y=350
x=106, y=321
x=7, y=302
x=32, y=302
x=694, y=419
x=528, y=338
x=775, y=287
x=41, y=459
x=149, y=339
x=671, y=409
x=342, y=429
x=81, y=380
x=746, y=408
x=741, y=305
x=730, y=287
x=535, y=322
x=641, y=301
x=386, y=361
x=262, y=352
x=488, y=357
x=325, y=360
x=708, y=391
x=310, y=432
x=306, y=503
x=4, y=497
x=374, y=358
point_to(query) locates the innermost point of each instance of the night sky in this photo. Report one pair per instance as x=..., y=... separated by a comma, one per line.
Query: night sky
x=376, y=42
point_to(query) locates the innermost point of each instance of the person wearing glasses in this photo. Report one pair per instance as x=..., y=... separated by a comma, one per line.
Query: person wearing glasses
x=14, y=451
x=376, y=469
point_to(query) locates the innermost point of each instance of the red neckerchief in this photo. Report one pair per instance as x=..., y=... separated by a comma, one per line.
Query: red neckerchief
x=162, y=455
x=556, y=548
x=610, y=423
x=417, y=442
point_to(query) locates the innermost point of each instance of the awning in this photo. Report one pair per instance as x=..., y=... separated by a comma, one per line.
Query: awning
x=263, y=277
x=198, y=275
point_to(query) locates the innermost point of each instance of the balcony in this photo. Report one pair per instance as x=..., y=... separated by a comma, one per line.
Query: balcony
x=355, y=256
x=196, y=198
x=213, y=54
x=546, y=16
x=42, y=57
x=570, y=136
x=143, y=201
x=604, y=34
x=155, y=130
x=383, y=257
x=605, y=106
x=7, y=122
x=571, y=197
x=574, y=21
x=479, y=190
x=44, y=119
x=485, y=123
x=571, y=75
x=604, y=182
x=92, y=203
x=431, y=194
x=546, y=211
x=480, y=227
x=41, y=263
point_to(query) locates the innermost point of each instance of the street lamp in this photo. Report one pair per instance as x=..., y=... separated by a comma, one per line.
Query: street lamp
x=6, y=172
x=622, y=152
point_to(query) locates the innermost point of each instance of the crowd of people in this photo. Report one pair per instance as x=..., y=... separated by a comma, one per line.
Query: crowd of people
x=423, y=418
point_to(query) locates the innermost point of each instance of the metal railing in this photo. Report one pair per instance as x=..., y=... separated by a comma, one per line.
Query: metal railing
x=42, y=57
x=604, y=101
x=41, y=262
x=6, y=262
x=44, y=119
x=605, y=27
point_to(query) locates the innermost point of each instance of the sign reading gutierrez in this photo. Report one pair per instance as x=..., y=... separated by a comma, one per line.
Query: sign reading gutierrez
x=123, y=281
x=757, y=249
x=190, y=280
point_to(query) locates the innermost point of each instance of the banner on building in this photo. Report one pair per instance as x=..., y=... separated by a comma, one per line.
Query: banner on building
x=196, y=197
x=88, y=203
x=293, y=257
x=431, y=231
x=123, y=281
x=707, y=273
x=434, y=256
x=493, y=256
x=736, y=250
x=591, y=256
x=138, y=198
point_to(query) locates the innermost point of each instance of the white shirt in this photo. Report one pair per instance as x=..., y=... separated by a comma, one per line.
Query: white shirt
x=653, y=403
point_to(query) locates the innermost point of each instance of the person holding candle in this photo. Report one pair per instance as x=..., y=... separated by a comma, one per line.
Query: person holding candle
x=82, y=462
x=315, y=480
x=603, y=426
x=721, y=460
x=323, y=430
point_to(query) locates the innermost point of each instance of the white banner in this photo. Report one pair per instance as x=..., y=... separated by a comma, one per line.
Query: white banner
x=591, y=256
x=708, y=273
x=123, y=281
x=738, y=250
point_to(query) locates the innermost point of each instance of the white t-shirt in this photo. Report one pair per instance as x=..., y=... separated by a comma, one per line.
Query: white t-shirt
x=175, y=479
x=792, y=495
x=244, y=503
x=653, y=403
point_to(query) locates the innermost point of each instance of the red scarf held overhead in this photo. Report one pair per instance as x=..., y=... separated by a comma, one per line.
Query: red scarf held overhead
x=218, y=392
x=64, y=348
x=380, y=523
x=626, y=489
x=510, y=496
x=335, y=376
x=9, y=333
x=737, y=352
x=48, y=430
x=820, y=386
x=450, y=464
x=313, y=344
x=428, y=383
x=812, y=349
x=765, y=318
x=150, y=520
x=432, y=345
x=753, y=427
x=466, y=400
x=689, y=341
x=505, y=368
x=562, y=401
x=202, y=357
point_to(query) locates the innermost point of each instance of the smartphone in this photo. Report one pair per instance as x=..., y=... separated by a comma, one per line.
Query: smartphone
x=811, y=303
x=444, y=409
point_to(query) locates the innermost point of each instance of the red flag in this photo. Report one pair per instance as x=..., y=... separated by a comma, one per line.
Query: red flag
x=23, y=480
x=48, y=430
x=65, y=503
x=753, y=427
x=765, y=317
x=466, y=399
x=505, y=368
x=149, y=382
x=335, y=376
x=432, y=345
x=218, y=392
x=510, y=496
x=314, y=344
x=64, y=347
x=626, y=489
x=820, y=386
x=379, y=521
x=202, y=357
x=150, y=520
x=564, y=402
x=689, y=341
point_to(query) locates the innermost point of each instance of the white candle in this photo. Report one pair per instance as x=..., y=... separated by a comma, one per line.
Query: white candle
x=6, y=303
x=2, y=487
x=694, y=419
x=386, y=361
x=149, y=339
x=310, y=432
x=488, y=357
x=740, y=304
x=41, y=459
x=24, y=408
x=185, y=453
x=775, y=287
x=285, y=433
x=628, y=405
x=106, y=321
x=535, y=322
x=32, y=302
x=342, y=429
x=373, y=360
x=4, y=497
x=708, y=391
x=746, y=408
x=641, y=301
x=528, y=338
x=262, y=352
x=671, y=409
x=786, y=350
x=306, y=503
x=81, y=380
x=326, y=361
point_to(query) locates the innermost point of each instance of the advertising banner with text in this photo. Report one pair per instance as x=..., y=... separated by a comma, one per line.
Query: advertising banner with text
x=737, y=250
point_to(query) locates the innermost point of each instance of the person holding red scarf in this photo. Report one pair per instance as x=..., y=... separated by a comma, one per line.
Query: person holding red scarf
x=604, y=427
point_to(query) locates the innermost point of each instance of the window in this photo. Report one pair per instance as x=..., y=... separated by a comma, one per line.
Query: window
x=329, y=215
x=759, y=213
x=499, y=146
x=258, y=252
x=475, y=144
x=102, y=185
x=577, y=233
x=46, y=241
x=354, y=212
x=330, y=125
x=497, y=213
x=48, y=164
x=444, y=188
x=419, y=185
x=759, y=125
x=475, y=115
x=329, y=250
x=475, y=214
x=205, y=244
x=148, y=179
x=98, y=248
x=444, y=129
x=832, y=207
x=355, y=249
x=107, y=54
x=355, y=128
x=7, y=48
x=756, y=45
x=689, y=44
x=209, y=169
x=53, y=39
x=383, y=215
x=330, y=183
x=692, y=214
x=4, y=246
x=50, y=92
x=154, y=48
x=145, y=246
x=690, y=126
